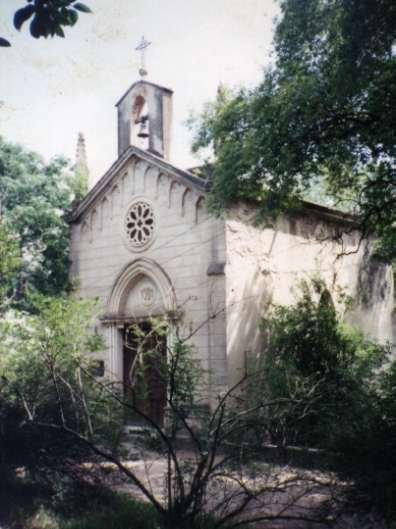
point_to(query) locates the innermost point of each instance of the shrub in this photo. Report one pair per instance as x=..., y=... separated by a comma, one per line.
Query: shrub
x=331, y=388
x=44, y=394
x=101, y=508
x=368, y=452
x=319, y=371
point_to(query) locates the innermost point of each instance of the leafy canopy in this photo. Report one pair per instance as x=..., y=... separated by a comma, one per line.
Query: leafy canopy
x=324, y=113
x=10, y=263
x=35, y=198
x=47, y=17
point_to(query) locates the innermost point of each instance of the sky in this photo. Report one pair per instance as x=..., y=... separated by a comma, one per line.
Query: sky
x=51, y=89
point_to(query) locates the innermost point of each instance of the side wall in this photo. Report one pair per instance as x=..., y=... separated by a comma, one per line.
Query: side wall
x=187, y=242
x=264, y=267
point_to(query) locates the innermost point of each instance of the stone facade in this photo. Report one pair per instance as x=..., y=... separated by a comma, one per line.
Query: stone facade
x=144, y=244
x=168, y=275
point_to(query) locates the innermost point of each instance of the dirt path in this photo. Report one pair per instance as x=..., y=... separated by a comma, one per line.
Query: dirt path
x=288, y=498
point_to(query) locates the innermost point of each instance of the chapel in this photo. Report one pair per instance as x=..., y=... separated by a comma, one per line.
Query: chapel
x=144, y=244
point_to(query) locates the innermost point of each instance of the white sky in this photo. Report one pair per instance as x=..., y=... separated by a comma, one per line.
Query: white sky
x=52, y=89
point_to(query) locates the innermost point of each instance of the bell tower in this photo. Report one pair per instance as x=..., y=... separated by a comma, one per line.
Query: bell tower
x=144, y=118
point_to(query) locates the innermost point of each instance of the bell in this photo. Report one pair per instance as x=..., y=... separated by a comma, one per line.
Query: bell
x=143, y=127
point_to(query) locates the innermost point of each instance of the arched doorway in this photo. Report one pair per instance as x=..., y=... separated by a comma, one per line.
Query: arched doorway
x=141, y=298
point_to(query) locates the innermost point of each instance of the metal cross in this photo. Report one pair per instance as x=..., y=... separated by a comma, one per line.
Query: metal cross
x=141, y=47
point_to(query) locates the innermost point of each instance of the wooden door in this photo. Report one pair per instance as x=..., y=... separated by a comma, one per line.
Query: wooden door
x=144, y=371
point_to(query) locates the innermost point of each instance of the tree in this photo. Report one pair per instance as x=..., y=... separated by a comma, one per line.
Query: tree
x=35, y=198
x=42, y=383
x=67, y=415
x=324, y=112
x=48, y=17
x=10, y=264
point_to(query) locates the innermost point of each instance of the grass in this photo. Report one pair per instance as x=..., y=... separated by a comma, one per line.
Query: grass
x=75, y=506
x=122, y=513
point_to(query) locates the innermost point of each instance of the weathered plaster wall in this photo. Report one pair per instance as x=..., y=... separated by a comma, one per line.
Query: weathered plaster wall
x=187, y=241
x=264, y=267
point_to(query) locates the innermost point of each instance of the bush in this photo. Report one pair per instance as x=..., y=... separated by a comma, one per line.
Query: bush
x=319, y=371
x=49, y=405
x=331, y=388
x=100, y=508
x=75, y=505
x=368, y=452
x=87, y=506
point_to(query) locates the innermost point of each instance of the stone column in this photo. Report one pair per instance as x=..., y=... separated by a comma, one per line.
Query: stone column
x=115, y=352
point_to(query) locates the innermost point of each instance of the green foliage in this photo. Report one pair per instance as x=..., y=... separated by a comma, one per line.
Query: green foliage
x=108, y=509
x=184, y=375
x=80, y=183
x=66, y=417
x=34, y=198
x=331, y=389
x=49, y=405
x=324, y=113
x=367, y=445
x=58, y=332
x=48, y=17
x=71, y=504
x=308, y=334
x=18, y=499
x=10, y=263
x=175, y=370
x=323, y=370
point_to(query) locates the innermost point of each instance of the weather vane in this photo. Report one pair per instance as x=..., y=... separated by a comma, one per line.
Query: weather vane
x=142, y=47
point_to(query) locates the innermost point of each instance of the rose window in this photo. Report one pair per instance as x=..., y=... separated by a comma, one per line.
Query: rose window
x=139, y=224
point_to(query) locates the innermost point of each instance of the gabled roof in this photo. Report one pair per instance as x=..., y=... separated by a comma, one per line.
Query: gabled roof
x=190, y=180
x=184, y=177
x=141, y=81
x=329, y=214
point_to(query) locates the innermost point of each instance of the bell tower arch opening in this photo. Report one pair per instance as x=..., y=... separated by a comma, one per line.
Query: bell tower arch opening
x=140, y=123
x=145, y=113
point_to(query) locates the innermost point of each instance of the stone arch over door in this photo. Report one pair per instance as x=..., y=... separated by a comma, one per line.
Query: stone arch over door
x=141, y=290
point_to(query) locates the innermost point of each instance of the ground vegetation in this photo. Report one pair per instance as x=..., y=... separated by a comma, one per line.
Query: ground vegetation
x=335, y=391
